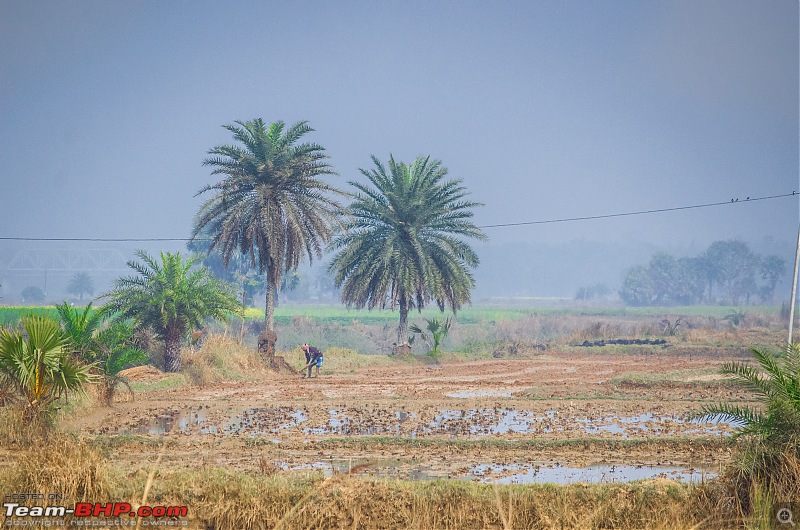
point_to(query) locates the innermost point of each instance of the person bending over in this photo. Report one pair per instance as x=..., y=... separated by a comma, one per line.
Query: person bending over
x=313, y=358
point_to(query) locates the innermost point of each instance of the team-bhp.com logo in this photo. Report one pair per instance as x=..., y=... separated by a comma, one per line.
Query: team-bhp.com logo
x=87, y=514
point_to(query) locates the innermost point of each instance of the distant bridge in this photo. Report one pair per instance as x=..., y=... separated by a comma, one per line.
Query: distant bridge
x=68, y=260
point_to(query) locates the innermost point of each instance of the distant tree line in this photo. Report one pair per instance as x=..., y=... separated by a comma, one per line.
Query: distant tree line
x=726, y=272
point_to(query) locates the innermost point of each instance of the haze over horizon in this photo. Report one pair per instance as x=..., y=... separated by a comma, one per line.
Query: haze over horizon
x=546, y=110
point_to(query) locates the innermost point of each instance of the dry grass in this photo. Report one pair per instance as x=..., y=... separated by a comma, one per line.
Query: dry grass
x=223, y=499
x=223, y=358
x=52, y=463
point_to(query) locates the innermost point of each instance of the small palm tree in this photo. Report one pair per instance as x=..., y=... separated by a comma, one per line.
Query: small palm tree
x=116, y=352
x=80, y=328
x=271, y=204
x=38, y=364
x=80, y=284
x=403, y=243
x=776, y=382
x=108, y=349
x=438, y=332
x=170, y=298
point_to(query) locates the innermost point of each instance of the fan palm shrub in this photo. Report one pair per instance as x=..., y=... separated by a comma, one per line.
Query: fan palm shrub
x=38, y=364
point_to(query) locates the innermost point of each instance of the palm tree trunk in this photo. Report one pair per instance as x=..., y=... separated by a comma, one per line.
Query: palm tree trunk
x=244, y=308
x=402, y=330
x=172, y=349
x=269, y=310
x=267, y=340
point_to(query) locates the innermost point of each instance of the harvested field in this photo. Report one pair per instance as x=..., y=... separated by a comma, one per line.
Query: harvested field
x=481, y=420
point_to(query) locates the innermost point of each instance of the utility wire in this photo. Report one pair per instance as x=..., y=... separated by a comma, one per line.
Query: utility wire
x=642, y=212
x=500, y=225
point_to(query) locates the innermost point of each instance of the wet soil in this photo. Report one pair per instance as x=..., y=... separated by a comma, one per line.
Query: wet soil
x=559, y=417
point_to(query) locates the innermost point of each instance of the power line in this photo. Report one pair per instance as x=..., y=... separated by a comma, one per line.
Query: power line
x=500, y=225
x=643, y=212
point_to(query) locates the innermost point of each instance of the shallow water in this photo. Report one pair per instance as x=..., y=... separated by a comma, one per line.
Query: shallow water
x=176, y=421
x=471, y=423
x=515, y=473
x=530, y=474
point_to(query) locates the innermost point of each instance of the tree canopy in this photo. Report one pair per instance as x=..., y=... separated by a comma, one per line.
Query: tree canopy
x=170, y=296
x=403, y=242
x=271, y=204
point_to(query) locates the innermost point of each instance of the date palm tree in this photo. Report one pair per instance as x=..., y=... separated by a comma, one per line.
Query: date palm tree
x=403, y=244
x=80, y=328
x=270, y=205
x=108, y=344
x=775, y=382
x=170, y=297
x=116, y=351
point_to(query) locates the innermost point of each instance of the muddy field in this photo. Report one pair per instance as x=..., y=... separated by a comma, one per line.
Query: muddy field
x=548, y=418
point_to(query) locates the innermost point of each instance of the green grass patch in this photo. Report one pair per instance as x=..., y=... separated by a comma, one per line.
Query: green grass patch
x=10, y=315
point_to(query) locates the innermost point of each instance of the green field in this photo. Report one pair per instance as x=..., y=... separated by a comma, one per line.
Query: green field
x=478, y=314
x=341, y=315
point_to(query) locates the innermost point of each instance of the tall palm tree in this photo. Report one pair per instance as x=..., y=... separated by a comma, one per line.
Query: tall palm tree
x=38, y=364
x=270, y=205
x=170, y=297
x=403, y=244
x=80, y=284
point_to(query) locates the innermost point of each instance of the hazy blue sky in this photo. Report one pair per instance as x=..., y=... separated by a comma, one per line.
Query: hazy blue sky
x=545, y=109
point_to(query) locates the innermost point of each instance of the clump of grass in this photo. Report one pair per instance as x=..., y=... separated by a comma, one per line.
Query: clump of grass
x=15, y=431
x=168, y=382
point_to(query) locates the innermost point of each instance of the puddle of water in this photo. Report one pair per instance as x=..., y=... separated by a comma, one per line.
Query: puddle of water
x=480, y=422
x=452, y=422
x=530, y=474
x=264, y=420
x=342, y=422
x=516, y=473
x=176, y=421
